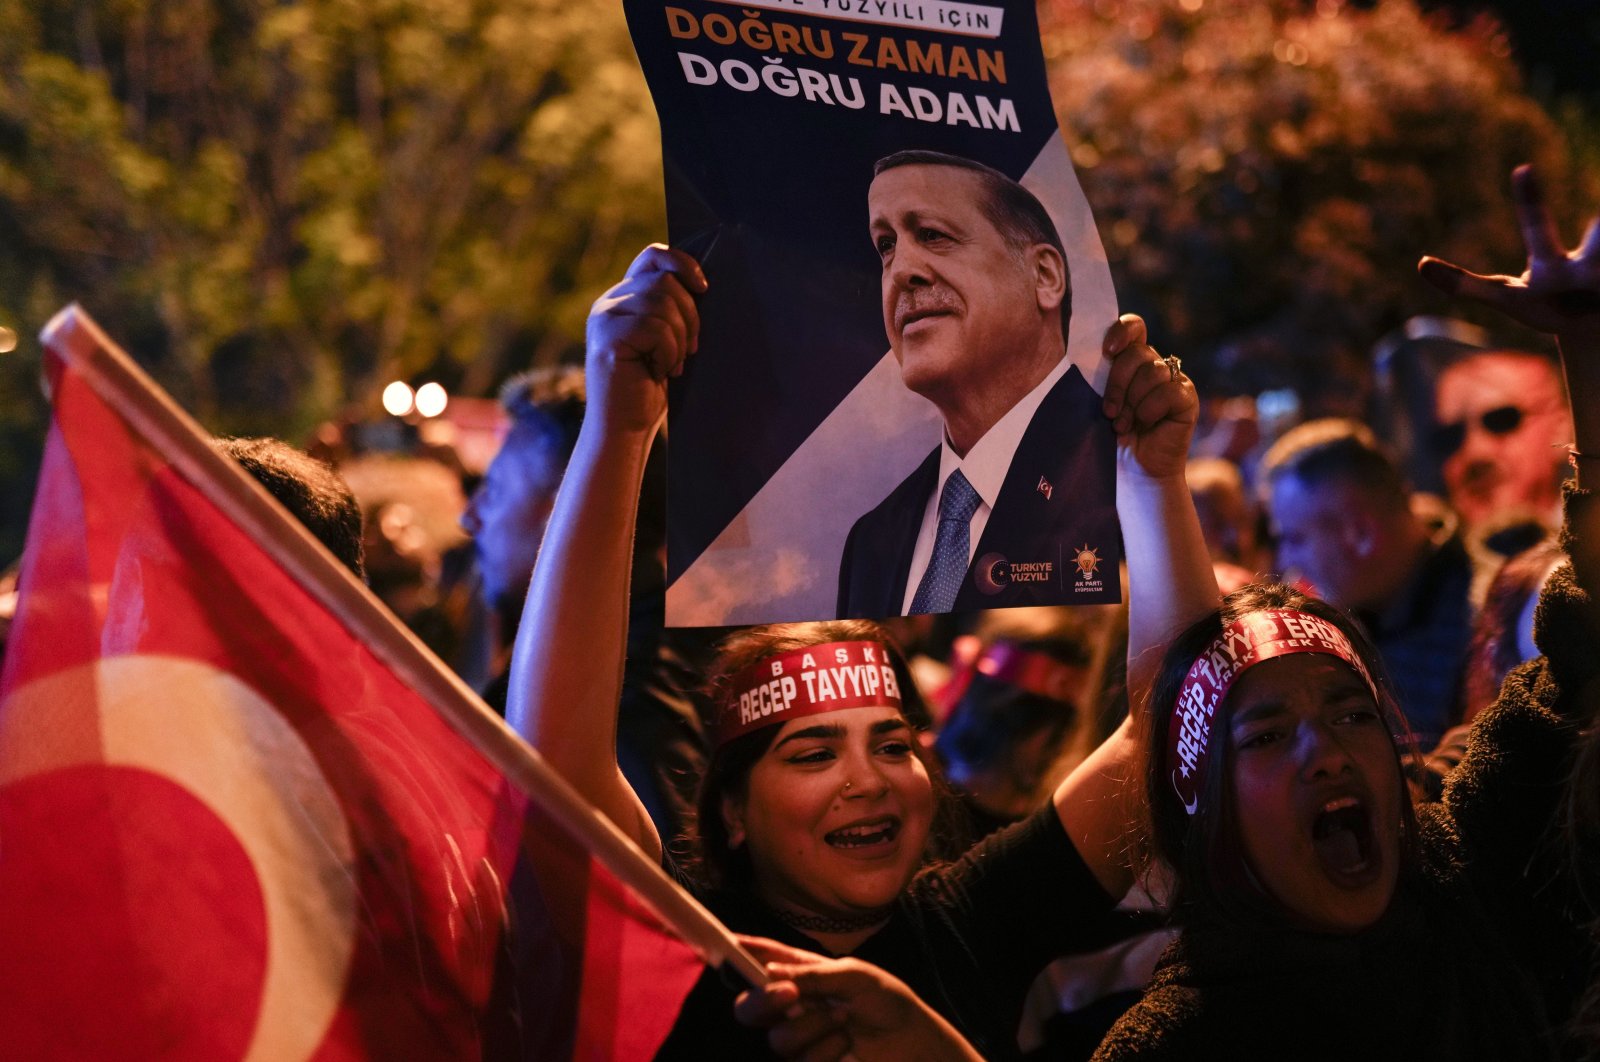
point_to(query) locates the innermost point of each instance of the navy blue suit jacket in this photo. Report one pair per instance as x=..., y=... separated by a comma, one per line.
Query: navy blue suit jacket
x=1059, y=496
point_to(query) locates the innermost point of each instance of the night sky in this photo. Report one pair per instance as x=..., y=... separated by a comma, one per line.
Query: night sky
x=1557, y=42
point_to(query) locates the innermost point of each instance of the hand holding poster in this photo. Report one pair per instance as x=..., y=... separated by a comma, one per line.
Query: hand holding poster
x=855, y=177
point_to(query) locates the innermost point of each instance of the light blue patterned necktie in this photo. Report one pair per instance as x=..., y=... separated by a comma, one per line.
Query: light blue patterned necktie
x=951, y=546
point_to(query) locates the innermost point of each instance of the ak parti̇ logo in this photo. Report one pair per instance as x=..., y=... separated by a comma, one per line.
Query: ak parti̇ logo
x=1087, y=560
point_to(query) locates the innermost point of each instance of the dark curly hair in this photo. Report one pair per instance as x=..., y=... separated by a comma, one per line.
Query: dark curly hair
x=310, y=489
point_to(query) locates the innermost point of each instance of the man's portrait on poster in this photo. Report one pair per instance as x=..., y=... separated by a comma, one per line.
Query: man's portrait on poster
x=976, y=298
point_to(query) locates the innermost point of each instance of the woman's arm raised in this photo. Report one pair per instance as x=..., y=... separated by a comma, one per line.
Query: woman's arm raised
x=566, y=667
x=1171, y=584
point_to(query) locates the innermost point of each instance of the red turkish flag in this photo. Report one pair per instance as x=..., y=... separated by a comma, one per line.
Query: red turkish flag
x=244, y=814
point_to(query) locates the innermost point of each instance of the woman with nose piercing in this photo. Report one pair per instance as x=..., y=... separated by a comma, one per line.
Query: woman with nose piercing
x=818, y=814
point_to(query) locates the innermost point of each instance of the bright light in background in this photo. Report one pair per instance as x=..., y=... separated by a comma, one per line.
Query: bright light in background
x=397, y=399
x=431, y=399
x=8, y=340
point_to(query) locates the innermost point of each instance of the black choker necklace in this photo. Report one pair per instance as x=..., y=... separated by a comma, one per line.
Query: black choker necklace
x=809, y=923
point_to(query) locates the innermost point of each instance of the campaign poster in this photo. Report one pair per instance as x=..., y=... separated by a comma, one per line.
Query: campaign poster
x=895, y=404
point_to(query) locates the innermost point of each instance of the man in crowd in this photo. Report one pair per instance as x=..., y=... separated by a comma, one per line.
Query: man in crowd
x=508, y=511
x=1343, y=521
x=659, y=739
x=312, y=491
x=976, y=300
x=1228, y=518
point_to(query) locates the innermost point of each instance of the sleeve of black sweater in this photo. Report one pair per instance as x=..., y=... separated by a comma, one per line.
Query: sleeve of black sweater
x=1505, y=799
x=1021, y=898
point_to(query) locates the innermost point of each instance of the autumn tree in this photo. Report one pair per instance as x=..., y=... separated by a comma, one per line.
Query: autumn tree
x=1265, y=173
x=282, y=205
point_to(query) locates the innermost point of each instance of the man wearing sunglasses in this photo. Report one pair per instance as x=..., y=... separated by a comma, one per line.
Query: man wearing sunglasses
x=1503, y=429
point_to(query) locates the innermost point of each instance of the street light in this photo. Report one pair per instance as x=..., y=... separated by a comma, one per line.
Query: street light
x=431, y=399
x=398, y=399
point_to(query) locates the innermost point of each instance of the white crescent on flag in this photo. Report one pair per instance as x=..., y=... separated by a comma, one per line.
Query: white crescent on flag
x=215, y=737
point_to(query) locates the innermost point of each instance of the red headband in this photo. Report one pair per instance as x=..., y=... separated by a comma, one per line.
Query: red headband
x=1031, y=671
x=809, y=681
x=1245, y=642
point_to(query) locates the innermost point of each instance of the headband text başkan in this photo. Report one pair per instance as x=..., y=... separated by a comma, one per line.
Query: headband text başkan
x=808, y=681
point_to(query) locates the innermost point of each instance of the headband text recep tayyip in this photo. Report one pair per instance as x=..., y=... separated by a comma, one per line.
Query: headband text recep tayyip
x=808, y=681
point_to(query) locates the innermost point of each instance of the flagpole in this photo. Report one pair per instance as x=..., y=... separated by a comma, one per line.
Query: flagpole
x=73, y=336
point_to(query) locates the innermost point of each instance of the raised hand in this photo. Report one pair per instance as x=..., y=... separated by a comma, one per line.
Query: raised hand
x=1558, y=292
x=639, y=334
x=1151, y=403
x=566, y=668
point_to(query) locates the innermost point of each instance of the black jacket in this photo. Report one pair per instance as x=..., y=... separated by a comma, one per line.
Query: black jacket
x=1058, y=496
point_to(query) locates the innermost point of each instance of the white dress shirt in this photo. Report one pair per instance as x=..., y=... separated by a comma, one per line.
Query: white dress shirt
x=985, y=467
